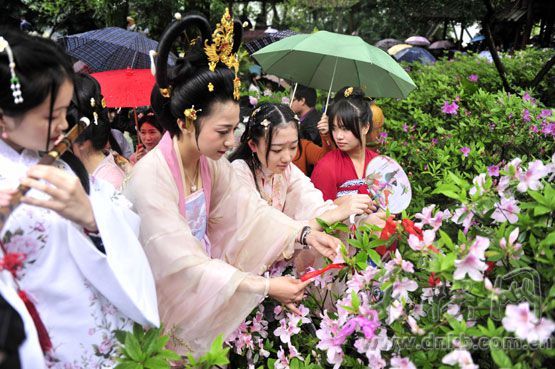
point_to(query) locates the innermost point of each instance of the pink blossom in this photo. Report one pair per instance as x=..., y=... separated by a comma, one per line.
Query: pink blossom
x=427, y=218
x=489, y=286
x=285, y=100
x=402, y=288
x=465, y=151
x=466, y=215
x=526, y=116
x=278, y=312
x=294, y=353
x=401, y=363
x=285, y=330
x=405, y=127
x=519, y=319
x=473, y=78
x=479, y=247
x=406, y=266
x=531, y=178
x=414, y=328
x=479, y=182
x=418, y=311
x=282, y=361
x=510, y=244
x=329, y=329
x=394, y=311
x=493, y=171
x=542, y=331
x=359, y=280
x=461, y=358
x=470, y=265
x=428, y=238
x=545, y=113
x=450, y=108
x=267, y=92
x=253, y=100
x=526, y=97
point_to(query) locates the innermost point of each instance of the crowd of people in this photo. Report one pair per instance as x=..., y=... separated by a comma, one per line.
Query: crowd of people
x=180, y=231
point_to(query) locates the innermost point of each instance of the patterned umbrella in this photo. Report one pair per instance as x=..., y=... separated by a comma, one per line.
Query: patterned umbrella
x=415, y=54
x=268, y=38
x=418, y=41
x=111, y=48
x=386, y=43
x=396, y=48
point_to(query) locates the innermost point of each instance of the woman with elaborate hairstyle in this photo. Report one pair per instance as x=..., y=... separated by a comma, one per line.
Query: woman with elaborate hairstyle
x=207, y=237
x=90, y=146
x=71, y=247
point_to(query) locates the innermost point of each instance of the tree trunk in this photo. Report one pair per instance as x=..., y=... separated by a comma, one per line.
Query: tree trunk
x=491, y=46
x=546, y=67
x=528, y=25
x=276, y=22
x=548, y=19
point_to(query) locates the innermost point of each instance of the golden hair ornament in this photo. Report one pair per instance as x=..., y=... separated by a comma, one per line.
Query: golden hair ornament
x=210, y=87
x=348, y=92
x=221, y=50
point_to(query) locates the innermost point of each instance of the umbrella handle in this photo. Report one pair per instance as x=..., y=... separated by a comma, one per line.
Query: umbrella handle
x=331, y=84
x=293, y=95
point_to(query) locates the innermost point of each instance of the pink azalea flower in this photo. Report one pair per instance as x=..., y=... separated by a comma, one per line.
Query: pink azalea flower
x=470, y=265
x=285, y=100
x=394, y=311
x=465, y=151
x=479, y=247
x=510, y=244
x=461, y=358
x=253, y=100
x=327, y=333
x=493, y=171
x=545, y=113
x=282, y=361
x=285, y=330
x=466, y=215
x=526, y=97
x=294, y=353
x=473, y=78
x=489, y=286
x=429, y=236
x=414, y=328
x=450, y=108
x=526, y=116
x=479, y=182
x=418, y=311
x=531, y=178
x=519, y=319
x=405, y=127
x=402, y=288
x=406, y=266
x=542, y=331
x=506, y=210
x=401, y=363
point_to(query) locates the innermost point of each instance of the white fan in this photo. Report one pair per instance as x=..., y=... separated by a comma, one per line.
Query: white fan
x=388, y=184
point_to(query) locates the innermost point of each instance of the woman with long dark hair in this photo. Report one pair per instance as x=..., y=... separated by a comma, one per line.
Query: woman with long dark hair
x=207, y=237
x=74, y=240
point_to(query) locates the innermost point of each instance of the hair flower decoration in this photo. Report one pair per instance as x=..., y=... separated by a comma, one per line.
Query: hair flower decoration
x=348, y=92
x=265, y=123
x=15, y=86
x=191, y=113
x=210, y=87
x=103, y=103
x=93, y=102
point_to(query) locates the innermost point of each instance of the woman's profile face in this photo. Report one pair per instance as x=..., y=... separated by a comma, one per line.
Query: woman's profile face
x=150, y=135
x=30, y=131
x=216, y=134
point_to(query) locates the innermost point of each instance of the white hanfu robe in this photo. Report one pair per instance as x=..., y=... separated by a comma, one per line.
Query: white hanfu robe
x=81, y=293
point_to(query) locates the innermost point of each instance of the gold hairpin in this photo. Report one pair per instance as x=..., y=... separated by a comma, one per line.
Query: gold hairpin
x=221, y=50
x=191, y=113
x=348, y=92
x=103, y=103
x=166, y=92
x=210, y=87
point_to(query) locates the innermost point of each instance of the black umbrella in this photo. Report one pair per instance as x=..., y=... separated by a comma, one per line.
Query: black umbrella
x=268, y=38
x=386, y=43
x=111, y=48
x=415, y=54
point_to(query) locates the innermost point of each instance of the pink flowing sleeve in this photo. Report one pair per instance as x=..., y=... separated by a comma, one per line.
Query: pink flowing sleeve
x=244, y=230
x=304, y=201
x=199, y=297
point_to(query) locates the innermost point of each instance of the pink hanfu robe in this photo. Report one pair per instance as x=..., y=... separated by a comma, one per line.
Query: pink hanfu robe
x=205, y=288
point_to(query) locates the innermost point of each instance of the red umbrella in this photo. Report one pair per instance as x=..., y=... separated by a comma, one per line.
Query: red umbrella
x=126, y=88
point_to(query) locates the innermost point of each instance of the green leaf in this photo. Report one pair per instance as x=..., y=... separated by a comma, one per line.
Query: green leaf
x=156, y=362
x=128, y=366
x=138, y=331
x=541, y=210
x=169, y=355
x=149, y=342
x=120, y=335
x=446, y=240
x=500, y=358
x=355, y=300
x=132, y=347
x=448, y=261
x=376, y=258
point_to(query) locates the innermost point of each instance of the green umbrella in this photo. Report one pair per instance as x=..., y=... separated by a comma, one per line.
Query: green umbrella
x=326, y=60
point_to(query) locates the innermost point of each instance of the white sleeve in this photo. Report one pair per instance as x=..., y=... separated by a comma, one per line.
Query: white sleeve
x=122, y=274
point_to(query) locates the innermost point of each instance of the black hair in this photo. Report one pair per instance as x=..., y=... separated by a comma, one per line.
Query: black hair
x=352, y=112
x=306, y=93
x=41, y=67
x=87, y=101
x=188, y=80
x=278, y=116
x=150, y=118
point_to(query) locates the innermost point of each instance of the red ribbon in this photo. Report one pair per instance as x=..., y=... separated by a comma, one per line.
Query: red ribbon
x=316, y=273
